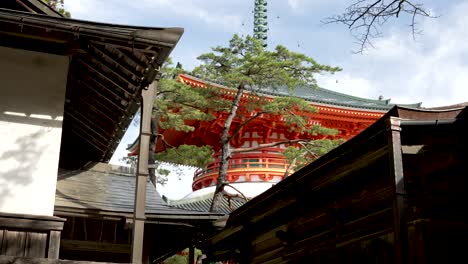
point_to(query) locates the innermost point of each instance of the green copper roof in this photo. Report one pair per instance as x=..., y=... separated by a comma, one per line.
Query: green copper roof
x=326, y=97
x=332, y=98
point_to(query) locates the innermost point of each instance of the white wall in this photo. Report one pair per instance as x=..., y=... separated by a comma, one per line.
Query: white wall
x=32, y=95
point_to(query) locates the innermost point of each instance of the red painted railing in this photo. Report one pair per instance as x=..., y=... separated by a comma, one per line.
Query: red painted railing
x=247, y=162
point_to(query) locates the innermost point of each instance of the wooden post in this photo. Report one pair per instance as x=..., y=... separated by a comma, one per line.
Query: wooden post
x=142, y=173
x=399, y=202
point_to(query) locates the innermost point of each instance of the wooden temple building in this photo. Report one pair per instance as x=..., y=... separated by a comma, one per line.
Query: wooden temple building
x=255, y=171
x=69, y=90
x=98, y=203
x=395, y=193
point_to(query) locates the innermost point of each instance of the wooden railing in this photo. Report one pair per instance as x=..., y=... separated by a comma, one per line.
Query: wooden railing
x=244, y=162
x=30, y=235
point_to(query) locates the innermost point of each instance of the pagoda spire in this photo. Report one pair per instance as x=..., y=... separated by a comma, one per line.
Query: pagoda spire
x=260, y=21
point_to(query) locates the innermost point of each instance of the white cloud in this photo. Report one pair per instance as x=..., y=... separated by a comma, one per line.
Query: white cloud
x=355, y=86
x=202, y=10
x=97, y=10
x=432, y=69
x=294, y=4
x=123, y=11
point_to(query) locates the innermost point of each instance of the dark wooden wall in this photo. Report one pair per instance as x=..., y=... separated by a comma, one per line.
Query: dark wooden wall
x=96, y=239
x=30, y=236
x=397, y=195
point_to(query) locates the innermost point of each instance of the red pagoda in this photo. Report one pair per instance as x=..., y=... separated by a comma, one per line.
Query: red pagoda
x=347, y=114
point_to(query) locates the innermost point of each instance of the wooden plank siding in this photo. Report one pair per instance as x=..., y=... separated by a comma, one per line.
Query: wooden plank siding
x=30, y=236
x=393, y=194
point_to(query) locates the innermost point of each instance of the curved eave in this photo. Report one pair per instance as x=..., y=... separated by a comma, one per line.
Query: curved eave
x=109, y=65
x=372, y=105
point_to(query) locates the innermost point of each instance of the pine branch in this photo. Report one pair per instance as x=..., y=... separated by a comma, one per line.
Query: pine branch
x=239, y=128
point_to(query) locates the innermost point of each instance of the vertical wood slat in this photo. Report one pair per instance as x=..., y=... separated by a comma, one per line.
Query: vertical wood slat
x=400, y=200
x=35, y=246
x=14, y=243
x=21, y=243
x=11, y=243
x=54, y=245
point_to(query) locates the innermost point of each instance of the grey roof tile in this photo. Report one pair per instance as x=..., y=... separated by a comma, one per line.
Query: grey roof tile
x=332, y=98
x=111, y=188
x=203, y=203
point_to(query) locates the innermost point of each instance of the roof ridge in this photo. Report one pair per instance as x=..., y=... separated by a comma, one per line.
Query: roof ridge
x=360, y=102
x=190, y=200
x=112, y=168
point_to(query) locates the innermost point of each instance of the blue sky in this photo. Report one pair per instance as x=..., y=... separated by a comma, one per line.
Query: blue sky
x=433, y=69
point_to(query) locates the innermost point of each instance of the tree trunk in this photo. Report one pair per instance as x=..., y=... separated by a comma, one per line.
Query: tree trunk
x=225, y=150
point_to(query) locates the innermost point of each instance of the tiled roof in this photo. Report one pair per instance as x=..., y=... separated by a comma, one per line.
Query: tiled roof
x=324, y=96
x=203, y=203
x=332, y=98
x=109, y=188
x=108, y=67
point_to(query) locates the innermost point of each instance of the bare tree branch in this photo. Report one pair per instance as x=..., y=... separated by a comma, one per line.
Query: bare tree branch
x=365, y=18
x=240, y=194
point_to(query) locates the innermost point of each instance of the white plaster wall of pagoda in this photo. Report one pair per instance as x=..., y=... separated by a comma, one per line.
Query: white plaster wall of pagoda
x=32, y=95
x=249, y=189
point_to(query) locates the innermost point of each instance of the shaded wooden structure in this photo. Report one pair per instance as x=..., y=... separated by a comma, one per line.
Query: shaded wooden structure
x=393, y=194
x=30, y=236
x=107, y=67
x=98, y=203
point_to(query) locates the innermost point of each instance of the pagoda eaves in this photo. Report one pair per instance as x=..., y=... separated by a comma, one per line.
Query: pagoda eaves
x=347, y=114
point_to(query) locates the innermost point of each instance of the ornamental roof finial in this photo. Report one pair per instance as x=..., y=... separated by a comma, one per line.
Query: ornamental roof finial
x=261, y=21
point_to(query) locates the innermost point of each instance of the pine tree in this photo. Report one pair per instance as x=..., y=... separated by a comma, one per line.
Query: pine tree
x=246, y=64
x=175, y=104
x=58, y=5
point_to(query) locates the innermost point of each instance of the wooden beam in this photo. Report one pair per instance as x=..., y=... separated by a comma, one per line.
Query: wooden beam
x=399, y=202
x=148, y=96
x=90, y=142
x=96, y=105
x=106, y=247
x=131, y=56
x=26, y=6
x=78, y=117
x=111, y=56
x=79, y=131
x=90, y=87
x=103, y=75
x=104, y=54
x=30, y=223
x=40, y=6
x=118, y=74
